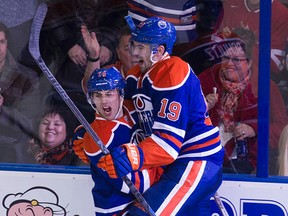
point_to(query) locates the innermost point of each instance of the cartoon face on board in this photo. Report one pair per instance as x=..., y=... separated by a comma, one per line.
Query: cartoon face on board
x=40, y=201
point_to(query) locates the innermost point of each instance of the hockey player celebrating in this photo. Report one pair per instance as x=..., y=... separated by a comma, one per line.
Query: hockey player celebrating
x=113, y=125
x=179, y=135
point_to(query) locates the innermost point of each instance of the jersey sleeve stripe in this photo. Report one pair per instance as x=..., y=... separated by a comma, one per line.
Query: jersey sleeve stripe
x=109, y=210
x=161, y=126
x=165, y=146
x=171, y=139
x=164, y=10
x=203, y=145
x=202, y=136
x=202, y=154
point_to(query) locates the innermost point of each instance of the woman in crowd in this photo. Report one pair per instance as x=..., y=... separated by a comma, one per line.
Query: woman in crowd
x=234, y=107
x=283, y=153
x=52, y=145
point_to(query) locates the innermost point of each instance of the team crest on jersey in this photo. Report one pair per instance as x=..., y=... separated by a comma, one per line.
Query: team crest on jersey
x=162, y=24
x=144, y=110
x=137, y=136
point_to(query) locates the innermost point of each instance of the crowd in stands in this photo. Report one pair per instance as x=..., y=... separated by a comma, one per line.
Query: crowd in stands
x=36, y=124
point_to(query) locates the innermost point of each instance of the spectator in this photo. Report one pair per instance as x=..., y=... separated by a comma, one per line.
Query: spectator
x=124, y=62
x=249, y=19
x=283, y=153
x=208, y=16
x=113, y=125
x=179, y=135
x=62, y=47
x=208, y=51
x=182, y=14
x=52, y=145
x=234, y=107
x=20, y=105
x=18, y=22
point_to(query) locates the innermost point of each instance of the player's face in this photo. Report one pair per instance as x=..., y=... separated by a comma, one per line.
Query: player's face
x=52, y=131
x=107, y=103
x=3, y=47
x=141, y=52
x=235, y=65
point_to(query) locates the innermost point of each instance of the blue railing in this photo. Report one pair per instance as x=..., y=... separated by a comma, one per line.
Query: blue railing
x=264, y=87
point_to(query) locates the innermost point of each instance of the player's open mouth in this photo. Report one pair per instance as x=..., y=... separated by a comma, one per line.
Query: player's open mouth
x=107, y=110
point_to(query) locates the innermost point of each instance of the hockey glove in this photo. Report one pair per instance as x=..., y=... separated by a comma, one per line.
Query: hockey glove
x=78, y=144
x=122, y=160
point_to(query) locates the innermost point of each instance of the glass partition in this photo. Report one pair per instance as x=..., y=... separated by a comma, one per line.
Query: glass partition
x=219, y=39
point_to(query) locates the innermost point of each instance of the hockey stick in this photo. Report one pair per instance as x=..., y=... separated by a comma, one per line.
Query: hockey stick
x=220, y=204
x=35, y=52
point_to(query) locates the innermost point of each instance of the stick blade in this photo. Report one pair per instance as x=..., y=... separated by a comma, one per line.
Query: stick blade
x=36, y=26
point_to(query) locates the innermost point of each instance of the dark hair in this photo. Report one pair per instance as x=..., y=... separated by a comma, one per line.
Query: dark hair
x=65, y=114
x=4, y=28
x=248, y=37
x=125, y=30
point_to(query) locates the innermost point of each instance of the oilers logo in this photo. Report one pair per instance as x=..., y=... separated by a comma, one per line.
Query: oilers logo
x=137, y=136
x=162, y=24
x=144, y=110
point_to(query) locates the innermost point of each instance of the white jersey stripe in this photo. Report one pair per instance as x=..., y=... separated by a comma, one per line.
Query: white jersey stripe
x=202, y=136
x=202, y=154
x=165, y=146
x=158, y=125
x=164, y=10
x=111, y=210
x=177, y=27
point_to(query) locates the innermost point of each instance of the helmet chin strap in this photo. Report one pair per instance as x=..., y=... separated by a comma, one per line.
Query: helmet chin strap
x=152, y=57
x=120, y=108
x=154, y=50
x=89, y=100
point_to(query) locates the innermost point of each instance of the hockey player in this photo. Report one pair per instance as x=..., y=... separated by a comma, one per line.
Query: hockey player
x=113, y=126
x=179, y=135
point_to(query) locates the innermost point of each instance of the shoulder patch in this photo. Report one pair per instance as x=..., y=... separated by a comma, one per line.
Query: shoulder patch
x=169, y=73
x=103, y=130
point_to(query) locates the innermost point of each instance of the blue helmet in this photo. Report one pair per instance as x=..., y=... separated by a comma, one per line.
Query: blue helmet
x=153, y=30
x=106, y=79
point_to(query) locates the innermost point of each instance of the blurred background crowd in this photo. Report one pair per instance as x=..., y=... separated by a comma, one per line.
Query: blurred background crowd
x=213, y=36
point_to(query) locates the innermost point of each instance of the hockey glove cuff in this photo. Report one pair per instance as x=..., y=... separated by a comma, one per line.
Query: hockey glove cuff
x=121, y=161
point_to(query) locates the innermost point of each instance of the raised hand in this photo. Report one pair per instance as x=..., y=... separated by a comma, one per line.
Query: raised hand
x=93, y=49
x=91, y=42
